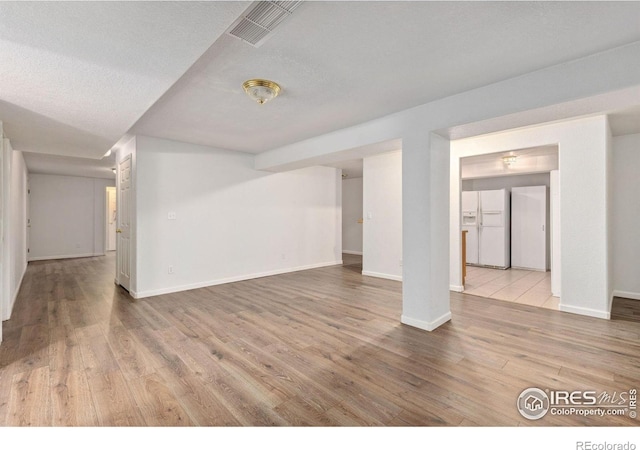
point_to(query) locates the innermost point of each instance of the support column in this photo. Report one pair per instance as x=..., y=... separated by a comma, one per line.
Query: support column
x=425, y=230
x=3, y=219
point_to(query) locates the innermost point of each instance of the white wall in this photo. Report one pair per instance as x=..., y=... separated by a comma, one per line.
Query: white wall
x=18, y=222
x=232, y=222
x=481, y=184
x=67, y=216
x=382, y=209
x=583, y=193
x=525, y=165
x=14, y=255
x=351, y=214
x=626, y=216
x=574, y=89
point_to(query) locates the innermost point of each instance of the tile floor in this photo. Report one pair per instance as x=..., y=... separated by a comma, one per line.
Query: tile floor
x=513, y=285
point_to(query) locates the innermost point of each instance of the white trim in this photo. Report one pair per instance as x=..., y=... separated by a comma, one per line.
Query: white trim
x=82, y=255
x=625, y=294
x=15, y=294
x=382, y=275
x=352, y=252
x=187, y=287
x=456, y=288
x=423, y=325
x=586, y=311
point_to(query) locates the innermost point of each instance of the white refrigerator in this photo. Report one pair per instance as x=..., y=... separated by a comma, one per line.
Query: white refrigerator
x=486, y=218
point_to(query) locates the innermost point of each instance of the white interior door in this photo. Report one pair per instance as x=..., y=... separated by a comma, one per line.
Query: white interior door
x=528, y=227
x=123, y=248
x=555, y=232
x=111, y=219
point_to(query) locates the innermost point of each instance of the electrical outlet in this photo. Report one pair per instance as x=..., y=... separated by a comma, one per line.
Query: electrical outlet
x=170, y=270
x=172, y=215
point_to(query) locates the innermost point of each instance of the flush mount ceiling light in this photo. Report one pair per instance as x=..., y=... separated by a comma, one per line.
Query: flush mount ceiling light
x=261, y=90
x=509, y=160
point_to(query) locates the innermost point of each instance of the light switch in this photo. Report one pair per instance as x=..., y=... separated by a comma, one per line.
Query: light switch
x=369, y=215
x=172, y=215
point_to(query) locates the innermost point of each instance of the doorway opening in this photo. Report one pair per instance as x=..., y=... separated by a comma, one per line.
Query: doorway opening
x=111, y=217
x=352, y=215
x=510, y=243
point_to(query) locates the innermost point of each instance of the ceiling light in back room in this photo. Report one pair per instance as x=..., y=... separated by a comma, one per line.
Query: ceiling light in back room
x=261, y=90
x=509, y=160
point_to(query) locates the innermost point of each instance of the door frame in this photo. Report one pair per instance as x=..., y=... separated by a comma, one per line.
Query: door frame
x=119, y=216
x=106, y=216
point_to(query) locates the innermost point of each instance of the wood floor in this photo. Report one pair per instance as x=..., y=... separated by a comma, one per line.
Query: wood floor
x=318, y=347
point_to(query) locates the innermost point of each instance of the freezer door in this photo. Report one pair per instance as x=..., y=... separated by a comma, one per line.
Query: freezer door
x=469, y=201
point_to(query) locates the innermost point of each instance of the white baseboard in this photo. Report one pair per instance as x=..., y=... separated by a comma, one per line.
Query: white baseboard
x=6, y=315
x=424, y=325
x=188, y=287
x=585, y=311
x=386, y=276
x=352, y=252
x=456, y=288
x=15, y=294
x=625, y=294
x=47, y=258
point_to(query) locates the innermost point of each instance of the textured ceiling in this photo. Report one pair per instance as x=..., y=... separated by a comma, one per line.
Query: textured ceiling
x=75, y=76
x=342, y=63
x=82, y=74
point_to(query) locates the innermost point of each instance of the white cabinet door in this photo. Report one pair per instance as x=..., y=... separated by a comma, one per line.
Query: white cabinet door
x=528, y=227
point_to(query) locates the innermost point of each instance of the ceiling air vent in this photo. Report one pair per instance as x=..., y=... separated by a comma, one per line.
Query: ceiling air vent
x=260, y=20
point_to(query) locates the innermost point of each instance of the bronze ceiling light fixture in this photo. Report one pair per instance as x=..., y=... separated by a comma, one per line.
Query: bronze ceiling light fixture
x=260, y=90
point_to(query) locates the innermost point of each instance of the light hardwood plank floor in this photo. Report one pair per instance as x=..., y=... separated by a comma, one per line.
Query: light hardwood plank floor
x=322, y=347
